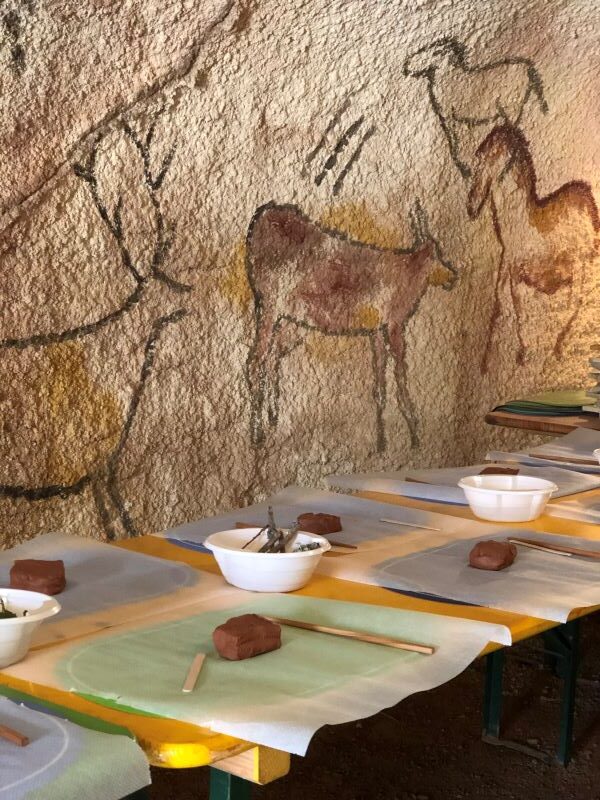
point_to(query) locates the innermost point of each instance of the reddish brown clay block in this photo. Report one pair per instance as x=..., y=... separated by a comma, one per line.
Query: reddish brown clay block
x=319, y=523
x=246, y=636
x=34, y=575
x=492, y=555
x=500, y=471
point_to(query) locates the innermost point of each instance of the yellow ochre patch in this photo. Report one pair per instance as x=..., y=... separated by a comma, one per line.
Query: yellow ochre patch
x=367, y=316
x=439, y=276
x=355, y=220
x=84, y=421
x=234, y=284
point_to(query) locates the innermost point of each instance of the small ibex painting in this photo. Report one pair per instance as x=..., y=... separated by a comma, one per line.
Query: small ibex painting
x=546, y=243
x=305, y=277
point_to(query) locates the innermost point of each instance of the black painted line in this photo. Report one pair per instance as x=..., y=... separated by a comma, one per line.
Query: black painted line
x=352, y=160
x=340, y=146
x=322, y=141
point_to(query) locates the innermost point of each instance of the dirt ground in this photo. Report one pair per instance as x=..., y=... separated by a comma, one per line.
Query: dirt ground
x=429, y=747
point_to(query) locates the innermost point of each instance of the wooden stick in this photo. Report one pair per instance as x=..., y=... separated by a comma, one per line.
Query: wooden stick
x=11, y=735
x=387, y=641
x=410, y=525
x=558, y=549
x=193, y=672
x=567, y=459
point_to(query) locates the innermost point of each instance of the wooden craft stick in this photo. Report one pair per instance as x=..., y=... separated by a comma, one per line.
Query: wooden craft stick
x=568, y=459
x=193, y=672
x=370, y=638
x=410, y=525
x=558, y=549
x=11, y=735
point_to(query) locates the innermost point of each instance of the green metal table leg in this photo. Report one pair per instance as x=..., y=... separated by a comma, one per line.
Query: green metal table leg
x=568, y=639
x=561, y=654
x=492, y=699
x=224, y=786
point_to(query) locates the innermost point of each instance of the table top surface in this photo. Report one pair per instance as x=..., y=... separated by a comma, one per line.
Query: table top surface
x=543, y=424
x=170, y=743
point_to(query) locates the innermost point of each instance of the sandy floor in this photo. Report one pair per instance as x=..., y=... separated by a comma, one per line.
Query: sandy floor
x=429, y=746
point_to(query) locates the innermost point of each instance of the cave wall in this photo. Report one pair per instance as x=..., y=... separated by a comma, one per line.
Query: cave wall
x=247, y=244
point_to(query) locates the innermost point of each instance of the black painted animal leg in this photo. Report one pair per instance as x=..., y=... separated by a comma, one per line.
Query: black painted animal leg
x=109, y=512
x=495, y=316
x=287, y=336
x=407, y=409
x=256, y=375
x=562, y=336
x=112, y=497
x=379, y=343
x=521, y=352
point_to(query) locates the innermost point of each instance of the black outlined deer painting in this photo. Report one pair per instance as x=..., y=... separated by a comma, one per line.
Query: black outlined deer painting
x=471, y=98
x=77, y=424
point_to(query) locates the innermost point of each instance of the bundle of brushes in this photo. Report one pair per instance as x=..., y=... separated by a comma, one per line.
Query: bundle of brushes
x=279, y=540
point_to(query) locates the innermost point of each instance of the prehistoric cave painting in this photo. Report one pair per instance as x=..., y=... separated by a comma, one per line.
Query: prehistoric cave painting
x=305, y=277
x=356, y=131
x=13, y=24
x=467, y=98
x=60, y=363
x=547, y=243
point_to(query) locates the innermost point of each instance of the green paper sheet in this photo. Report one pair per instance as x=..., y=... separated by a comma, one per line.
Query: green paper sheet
x=279, y=699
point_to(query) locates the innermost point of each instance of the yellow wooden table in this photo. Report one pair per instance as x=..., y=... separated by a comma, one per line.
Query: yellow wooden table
x=169, y=743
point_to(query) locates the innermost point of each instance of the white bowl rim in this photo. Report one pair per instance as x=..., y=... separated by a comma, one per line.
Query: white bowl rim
x=214, y=546
x=545, y=487
x=49, y=607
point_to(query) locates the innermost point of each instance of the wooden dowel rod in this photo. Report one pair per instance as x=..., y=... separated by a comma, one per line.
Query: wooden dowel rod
x=567, y=459
x=410, y=524
x=557, y=548
x=11, y=735
x=359, y=636
x=193, y=672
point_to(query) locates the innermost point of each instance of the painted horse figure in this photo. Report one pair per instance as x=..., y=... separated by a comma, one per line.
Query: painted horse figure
x=305, y=277
x=546, y=242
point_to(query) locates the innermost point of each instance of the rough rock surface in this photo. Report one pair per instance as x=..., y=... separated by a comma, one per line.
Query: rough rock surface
x=245, y=244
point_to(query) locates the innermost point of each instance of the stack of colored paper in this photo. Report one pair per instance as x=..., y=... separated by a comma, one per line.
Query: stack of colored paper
x=550, y=404
x=593, y=394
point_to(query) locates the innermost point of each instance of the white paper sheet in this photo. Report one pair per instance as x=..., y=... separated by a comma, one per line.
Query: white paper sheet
x=440, y=485
x=100, y=576
x=360, y=518
x=63, y=760
x=279, y=699
x=537, y=584
x=105, y=584
x=537, y=461
x=376, y=541
x=580, y=443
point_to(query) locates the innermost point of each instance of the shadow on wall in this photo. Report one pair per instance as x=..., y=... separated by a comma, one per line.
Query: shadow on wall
x=77, y=422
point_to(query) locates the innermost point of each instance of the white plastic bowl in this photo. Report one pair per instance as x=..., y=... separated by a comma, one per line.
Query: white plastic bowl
x=264, y=572
x=507, y=498
x=16, y=632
